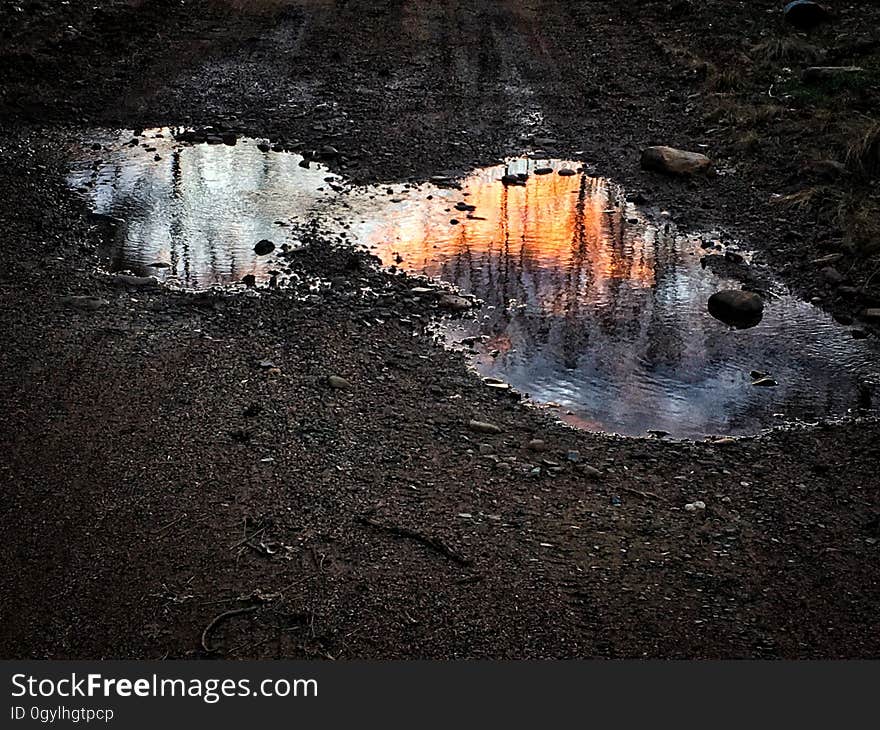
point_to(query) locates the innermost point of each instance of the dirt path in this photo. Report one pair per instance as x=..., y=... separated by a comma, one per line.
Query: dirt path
x=156, y=476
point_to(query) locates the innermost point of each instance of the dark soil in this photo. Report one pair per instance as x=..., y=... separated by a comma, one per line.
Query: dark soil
x=157, y=475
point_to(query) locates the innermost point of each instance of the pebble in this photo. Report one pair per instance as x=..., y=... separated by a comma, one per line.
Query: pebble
x=483, y=427
x=537, y=445
x=335, y=381
x=486, y=449
x=573, y=456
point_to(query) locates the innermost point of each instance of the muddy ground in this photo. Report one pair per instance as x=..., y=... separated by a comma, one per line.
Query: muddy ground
x=157, y=478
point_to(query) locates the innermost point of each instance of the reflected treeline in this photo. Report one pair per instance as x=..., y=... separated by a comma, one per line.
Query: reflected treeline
x=587, y=303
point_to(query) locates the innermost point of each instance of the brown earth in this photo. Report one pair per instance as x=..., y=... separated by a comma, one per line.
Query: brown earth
x=157, y=477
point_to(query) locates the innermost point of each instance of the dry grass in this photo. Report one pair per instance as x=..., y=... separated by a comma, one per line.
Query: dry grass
x=786, y=50
x=863, y=151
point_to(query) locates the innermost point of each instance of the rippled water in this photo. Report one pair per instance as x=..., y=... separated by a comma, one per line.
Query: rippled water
x=590, y=306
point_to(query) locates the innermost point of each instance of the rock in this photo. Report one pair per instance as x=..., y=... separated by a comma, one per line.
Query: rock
x=573, y=456
x=328, y=152
x=134, y=281
x=591, y=471
x=544, y=171
x=566, y=172
x=537, y=445
x=826, y=170
x=765, y=382
x=736, y=307
x=831, y=275
x=455, y=303
x=249, y=280
x=805, y=15
x=871, y=313
x=694, y=506
x=675, y=162
x=544, y=142
x=85, y=302
x=263, y=147
x=264, y=247
x=483, y=427
x=512, y=180
x=267, y=364
x=486, y=449
x=818, y=74
x=337, y=382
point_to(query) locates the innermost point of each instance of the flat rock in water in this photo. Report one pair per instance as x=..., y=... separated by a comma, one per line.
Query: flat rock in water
x=264, y=247
x=543, y=170
x=736, y=307
x=675, y=162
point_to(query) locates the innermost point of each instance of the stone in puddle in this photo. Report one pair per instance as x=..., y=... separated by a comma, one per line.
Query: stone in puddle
x=736, y=307
x=544, y=171
x=264, y=247
x=567, y=172
x=674, y=161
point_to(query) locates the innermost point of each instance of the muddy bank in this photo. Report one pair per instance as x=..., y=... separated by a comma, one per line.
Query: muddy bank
x=170, y=457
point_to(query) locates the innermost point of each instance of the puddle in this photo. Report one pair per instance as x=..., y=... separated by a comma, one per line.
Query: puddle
x=590, y=306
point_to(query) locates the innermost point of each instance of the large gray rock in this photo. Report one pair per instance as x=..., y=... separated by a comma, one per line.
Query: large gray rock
x=675, y=162
x=736, y=307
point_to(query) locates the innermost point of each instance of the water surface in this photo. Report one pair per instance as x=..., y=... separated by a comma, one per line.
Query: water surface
x=591, y=306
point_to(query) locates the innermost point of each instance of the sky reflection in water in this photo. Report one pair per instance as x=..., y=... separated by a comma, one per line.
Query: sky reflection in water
x=587, y=304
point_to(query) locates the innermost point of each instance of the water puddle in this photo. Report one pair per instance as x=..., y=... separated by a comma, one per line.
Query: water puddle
x=592, y=306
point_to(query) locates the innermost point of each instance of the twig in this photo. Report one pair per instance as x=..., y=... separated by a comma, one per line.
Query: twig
x=640, y=493
x=431, y=542
x=248, y=538
x=217, y=620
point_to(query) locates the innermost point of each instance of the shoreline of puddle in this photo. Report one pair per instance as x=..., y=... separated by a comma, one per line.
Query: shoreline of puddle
x=592, y=307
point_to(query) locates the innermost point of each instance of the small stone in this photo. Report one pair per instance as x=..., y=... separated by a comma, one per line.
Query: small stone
x=591, y=471
x=340, y=383
x=831, y=275
x=483, y=427
x=264, y=247
x=544, y=171
x=140, y=282
x=675, y=162
x=573, y=456
x=486, y=449
x=537, y=445
x=736, y=307
x=765, y=382
x=566, y=172
x=85, y=302
x=455, y=303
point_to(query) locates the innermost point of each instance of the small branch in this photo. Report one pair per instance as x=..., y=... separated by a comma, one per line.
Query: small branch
x=431, y=542
x=217, y=620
